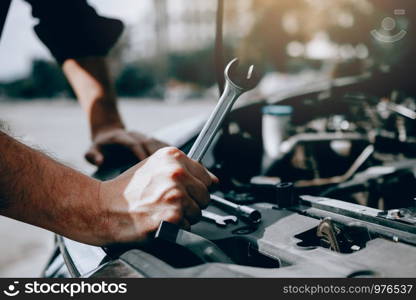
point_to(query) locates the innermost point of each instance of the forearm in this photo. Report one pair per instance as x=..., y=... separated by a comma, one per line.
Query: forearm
x=90, y=79
x=37, y=190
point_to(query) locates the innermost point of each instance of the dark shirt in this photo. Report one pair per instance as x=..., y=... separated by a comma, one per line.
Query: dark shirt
x=70, y=28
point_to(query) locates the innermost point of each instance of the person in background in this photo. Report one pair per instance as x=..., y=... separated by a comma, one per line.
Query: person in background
x=165, y=185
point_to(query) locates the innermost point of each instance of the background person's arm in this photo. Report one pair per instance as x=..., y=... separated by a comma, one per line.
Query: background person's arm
x=38, y=190
x=80, y=39
x=93, y=87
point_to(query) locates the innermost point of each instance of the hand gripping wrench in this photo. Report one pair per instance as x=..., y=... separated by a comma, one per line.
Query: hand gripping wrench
x=235, y=86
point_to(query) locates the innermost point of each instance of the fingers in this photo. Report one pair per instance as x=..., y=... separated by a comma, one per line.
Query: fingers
x=141, y=145
x=182, y=209
x=189, y=186
x=94, y=156
x=214, y=178
x=137, y=144
x=139, y=151
x=195, y=168
x=198, y=192
x=118, y=137
x=134, y=145
x=188, y=182
x=200, y=172
x=150, y=145
x=193, y=176
x=191, y=211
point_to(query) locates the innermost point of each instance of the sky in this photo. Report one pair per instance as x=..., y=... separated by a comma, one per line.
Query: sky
x=19, y=45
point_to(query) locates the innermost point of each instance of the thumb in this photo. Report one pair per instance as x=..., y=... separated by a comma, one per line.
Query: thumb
x=94, y=156
x=214, y=178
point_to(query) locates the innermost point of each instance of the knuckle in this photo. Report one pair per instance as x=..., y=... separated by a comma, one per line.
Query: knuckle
x=177, y=173
x=174, y=216
x=174, y=196
x=170, y=153
x=167, y=150
x=174, y=152
x=161, y=152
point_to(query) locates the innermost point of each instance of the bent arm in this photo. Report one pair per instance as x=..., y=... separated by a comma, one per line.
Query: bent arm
x=38, y=190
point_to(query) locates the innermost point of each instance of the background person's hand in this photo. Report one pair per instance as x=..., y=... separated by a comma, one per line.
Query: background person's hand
x=139, y=144
x=167, y=186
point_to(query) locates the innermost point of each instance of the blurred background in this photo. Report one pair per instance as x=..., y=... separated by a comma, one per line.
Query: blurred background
x=166, y=51
x=164, y=64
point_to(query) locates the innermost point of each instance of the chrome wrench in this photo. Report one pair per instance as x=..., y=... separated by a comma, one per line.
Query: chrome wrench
x=235, y=86
x=222, y=221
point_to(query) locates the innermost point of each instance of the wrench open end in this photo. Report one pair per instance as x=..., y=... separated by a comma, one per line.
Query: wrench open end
x=235, y=85
x=244, y=81
x=231, y=220
x=221, y=221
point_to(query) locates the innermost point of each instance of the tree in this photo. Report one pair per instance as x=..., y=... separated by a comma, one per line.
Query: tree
x=346, y=22
x=45, y=80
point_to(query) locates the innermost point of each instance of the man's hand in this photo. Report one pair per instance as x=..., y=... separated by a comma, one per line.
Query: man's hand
x=168, y=186
x=38, y=190
x=89, y=77
x=139, y=144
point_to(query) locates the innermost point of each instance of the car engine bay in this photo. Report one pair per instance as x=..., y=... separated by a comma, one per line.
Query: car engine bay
x=331, y=171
